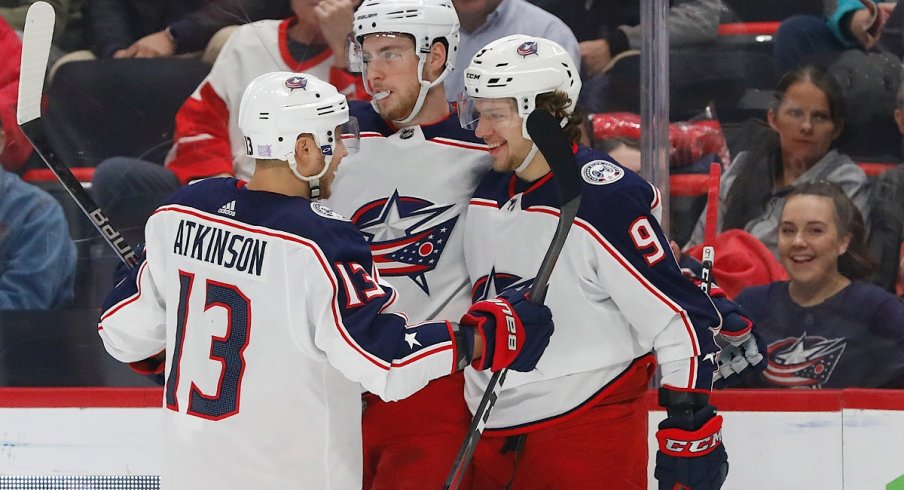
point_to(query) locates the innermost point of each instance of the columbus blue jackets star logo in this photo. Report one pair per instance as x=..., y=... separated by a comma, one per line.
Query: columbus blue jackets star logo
x=490, y=285
x=804, y=362
x=296, y=82
x=527, y=48
x=406, y=234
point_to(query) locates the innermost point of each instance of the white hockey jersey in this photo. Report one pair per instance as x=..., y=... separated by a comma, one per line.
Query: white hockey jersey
x=406, y=190
x=616, y=293
x=272, y=320
x=207, y=137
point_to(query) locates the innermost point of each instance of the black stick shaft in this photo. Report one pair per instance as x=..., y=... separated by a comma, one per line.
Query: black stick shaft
x=34, y=131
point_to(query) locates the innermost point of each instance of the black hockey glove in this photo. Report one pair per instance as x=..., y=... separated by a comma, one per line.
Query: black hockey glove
x=515, y=331
x=691, y=455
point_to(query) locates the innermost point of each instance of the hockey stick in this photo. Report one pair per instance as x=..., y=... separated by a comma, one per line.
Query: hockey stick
x=35, y=51
x=709, y=231
x=547, y=135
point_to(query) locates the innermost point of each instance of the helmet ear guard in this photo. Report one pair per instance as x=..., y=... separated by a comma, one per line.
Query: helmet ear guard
x=278, y=107
x=522, y=67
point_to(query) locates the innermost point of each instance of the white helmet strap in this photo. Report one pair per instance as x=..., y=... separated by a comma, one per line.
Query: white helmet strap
x=425, y=87
x=526, y=163
x=312, y=180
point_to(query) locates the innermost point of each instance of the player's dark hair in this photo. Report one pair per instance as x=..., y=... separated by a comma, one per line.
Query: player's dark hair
x=555, y=103
x=855, y=263
x=763, y=167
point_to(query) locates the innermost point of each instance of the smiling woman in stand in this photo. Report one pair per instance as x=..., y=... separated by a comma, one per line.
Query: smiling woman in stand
x=806, y=120
x=824, y=328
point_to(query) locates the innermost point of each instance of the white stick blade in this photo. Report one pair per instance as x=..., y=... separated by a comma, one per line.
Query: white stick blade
x=35, y=51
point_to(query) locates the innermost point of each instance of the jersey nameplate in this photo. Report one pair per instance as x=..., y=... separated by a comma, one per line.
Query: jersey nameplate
x=601, y=172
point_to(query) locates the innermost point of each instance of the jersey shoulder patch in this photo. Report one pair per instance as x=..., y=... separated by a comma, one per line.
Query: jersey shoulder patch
x=601, y=172
x=326, y=212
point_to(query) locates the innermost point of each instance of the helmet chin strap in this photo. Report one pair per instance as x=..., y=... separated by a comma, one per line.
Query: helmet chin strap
x=526, y=163
x=313, y=180
x=533, y=149
x=425, y=87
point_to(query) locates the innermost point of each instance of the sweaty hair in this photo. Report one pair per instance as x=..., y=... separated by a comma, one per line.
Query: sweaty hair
x=555, y=103
x=855, y=263
x=763, y=166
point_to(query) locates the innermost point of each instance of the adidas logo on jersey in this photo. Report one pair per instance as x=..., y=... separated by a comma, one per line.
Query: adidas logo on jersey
x=228, y=209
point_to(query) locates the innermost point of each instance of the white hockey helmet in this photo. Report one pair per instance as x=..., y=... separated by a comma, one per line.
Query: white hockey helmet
x=425, y=20
x=277, y=107
x=520, y=67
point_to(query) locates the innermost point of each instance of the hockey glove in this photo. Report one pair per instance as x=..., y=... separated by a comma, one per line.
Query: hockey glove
x=742, y=349
x=691, y=455
x=515, y=332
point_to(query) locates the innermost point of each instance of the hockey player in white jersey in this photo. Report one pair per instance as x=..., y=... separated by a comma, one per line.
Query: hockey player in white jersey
x=406, y=191
x=271, y=315
x=621, y=303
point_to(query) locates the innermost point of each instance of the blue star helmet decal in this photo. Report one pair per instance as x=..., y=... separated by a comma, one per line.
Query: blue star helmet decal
x=297, y=82
x=527, y=48
x=406, y=235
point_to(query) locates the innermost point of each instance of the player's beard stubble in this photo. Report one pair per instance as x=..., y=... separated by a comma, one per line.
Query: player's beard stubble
x=399, y=104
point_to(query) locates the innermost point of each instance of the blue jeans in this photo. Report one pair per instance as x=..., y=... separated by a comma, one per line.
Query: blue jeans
x=799, y=38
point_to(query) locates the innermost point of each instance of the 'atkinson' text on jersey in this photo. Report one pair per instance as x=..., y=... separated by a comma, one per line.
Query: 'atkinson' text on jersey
x=220, y=247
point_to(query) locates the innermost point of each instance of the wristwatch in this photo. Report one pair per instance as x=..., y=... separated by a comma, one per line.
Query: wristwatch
x=169, y=34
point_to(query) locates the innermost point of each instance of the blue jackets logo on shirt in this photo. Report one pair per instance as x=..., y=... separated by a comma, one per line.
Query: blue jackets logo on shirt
x=803, y=362
x=406, y=234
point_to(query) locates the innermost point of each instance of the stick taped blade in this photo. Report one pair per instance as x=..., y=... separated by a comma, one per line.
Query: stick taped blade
x=544, y=130
x=35, y=50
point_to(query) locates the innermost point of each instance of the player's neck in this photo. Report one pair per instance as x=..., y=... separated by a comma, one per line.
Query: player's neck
x=278, y=179
x=434, y=109
x=537, y=168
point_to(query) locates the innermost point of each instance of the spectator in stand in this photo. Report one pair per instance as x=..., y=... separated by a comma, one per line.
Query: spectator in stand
x=16, y=149
x=824, y=328
x=483, y=21
x=610, y=29
x=886, y=234
x=161, y=28
x=801, y=37
x=207, y=138
x=806, y=120
x=37, y=256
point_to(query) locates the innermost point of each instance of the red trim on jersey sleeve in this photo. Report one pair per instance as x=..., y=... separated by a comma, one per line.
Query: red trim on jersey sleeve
x=202, y=137
x=127, y=301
